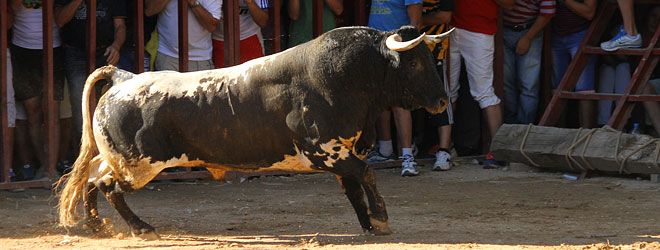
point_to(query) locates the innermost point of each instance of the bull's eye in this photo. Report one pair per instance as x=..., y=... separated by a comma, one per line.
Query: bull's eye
x=413, y=64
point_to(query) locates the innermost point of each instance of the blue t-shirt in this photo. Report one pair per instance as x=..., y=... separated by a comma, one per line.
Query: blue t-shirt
x=389, y=15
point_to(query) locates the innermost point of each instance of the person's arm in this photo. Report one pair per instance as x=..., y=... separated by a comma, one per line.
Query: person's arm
x=586, y=8
x=293, y=8
x=112, y=52
x=525, y=41
x=506, y=4
x=63, y=14
x=203, y=16
x=153, y=7
x=336, y=6
x=436, y=17
x=259, y=16
x=415, y=14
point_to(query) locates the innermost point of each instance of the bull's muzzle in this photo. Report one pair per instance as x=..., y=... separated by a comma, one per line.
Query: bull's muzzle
x=440, y=106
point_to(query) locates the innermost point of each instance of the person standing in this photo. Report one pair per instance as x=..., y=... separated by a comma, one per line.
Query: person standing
x=474, y=41
x=253, y=16
x=523, y=47
x=390, y=15
x=300, y=13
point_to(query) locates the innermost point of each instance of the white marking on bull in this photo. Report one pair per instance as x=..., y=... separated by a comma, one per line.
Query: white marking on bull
x=346, y=147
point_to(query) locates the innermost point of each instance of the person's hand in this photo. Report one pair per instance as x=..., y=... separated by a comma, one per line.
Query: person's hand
x=112, y=55
x=523, y=45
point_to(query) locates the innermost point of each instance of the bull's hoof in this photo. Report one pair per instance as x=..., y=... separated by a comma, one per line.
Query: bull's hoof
x=146, y=234
x=94, y=224
x=379, y=227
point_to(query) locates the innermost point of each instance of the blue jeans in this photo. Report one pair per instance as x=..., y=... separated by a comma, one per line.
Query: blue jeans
x=521, y=78
x=76, y=73
x=564, y=49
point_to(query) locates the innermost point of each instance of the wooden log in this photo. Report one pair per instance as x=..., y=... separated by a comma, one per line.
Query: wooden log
x=578, y=150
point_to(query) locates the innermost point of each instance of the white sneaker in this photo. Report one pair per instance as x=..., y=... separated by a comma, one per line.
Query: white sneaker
x=408, y=166
x=622, y=41
x=442, y=161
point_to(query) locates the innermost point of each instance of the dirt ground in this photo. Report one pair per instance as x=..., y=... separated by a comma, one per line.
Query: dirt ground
x=465, y=208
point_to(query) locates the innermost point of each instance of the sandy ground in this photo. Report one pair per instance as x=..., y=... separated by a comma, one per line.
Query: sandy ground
x=465, y=208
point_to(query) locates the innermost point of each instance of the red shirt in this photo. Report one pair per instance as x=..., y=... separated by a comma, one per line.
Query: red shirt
x=476, y=16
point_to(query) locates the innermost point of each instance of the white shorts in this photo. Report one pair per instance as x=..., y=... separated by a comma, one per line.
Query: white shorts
x=11, y=102
x=477, y=50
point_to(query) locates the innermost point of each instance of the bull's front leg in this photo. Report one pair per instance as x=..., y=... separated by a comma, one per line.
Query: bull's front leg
x=355, y=177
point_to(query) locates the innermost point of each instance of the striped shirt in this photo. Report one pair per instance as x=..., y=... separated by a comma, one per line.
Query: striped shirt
x=439, y=50
x=527, y=10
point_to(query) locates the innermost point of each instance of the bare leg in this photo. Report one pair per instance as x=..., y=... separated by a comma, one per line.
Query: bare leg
x=22, y=143
x=587, y=114
x=403, y=121
x=383, y=129
x=652, y=109
x=444, y=133
x=35, y=121
x=628, y=15
x=493, y=118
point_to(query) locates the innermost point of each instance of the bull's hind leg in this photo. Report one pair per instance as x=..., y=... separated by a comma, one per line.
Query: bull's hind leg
x=92, y=219
x=115, y=196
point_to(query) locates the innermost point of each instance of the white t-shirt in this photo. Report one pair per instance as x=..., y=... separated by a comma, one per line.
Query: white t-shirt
x=199, y=39
x=27, y=28
x=247, y=26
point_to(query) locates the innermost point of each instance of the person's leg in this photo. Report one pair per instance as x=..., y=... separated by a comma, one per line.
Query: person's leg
x=384, y=151
x=34, y=114
x=628, y=37
x=511, y=83
x=251, y=48
x=605, y=85
x=653, y=108
x=165, y=62
x=403, y=122
x=218, y=53
x=76, y=74
x=529, y=72
x=454, y=64
x=628, y=15
x=586, y=83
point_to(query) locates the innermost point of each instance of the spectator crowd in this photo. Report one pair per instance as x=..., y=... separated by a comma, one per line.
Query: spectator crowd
x=470, y=49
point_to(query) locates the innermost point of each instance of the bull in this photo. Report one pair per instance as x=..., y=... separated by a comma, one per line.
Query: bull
x=310, y=108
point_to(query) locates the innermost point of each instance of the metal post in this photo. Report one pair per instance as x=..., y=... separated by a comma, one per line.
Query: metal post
x=360, y=13
x=139, y=35
x=183, y=35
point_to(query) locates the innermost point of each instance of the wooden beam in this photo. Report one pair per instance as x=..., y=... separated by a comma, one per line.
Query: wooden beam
x=183, y=35
x=6, y=142
x=51, y=117
x=276, y=13
x=91, y=36
x=317, y=18
x=231, y=28
x=138, y=31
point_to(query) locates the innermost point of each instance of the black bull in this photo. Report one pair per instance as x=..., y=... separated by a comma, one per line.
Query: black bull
x=310, y=108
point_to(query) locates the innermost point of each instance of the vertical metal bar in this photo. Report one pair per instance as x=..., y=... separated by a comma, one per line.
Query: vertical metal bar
x=317, y=18
x=231, y=28
x=498, y=60
x=360, y=13
x=139, y=35
x=183, y=35
x=276, y=13
x=596, y=29
x=91, y=36
x=636, y=85
x=51, y=105
x=6, y=152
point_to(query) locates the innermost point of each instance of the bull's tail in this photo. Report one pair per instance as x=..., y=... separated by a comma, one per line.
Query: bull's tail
x=76, y=181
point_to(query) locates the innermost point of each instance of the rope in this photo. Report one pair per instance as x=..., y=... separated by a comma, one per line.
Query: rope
x=623, y=163
x=522, y=146
x=584, y=149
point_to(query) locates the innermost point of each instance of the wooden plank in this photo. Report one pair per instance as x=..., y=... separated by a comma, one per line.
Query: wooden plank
x=620, y=52
x=183, y=35
x=4, y=124
x=317, y=18
x=43, y=183
x=51, y=118
x=569, y=80
x=138, y=31
x=276, y=14
x=577, y=150
x=231, y=28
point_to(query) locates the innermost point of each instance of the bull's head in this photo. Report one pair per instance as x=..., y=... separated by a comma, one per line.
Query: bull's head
x=419, y=81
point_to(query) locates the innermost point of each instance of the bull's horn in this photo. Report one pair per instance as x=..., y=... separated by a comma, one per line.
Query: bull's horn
x=437, y=38
x=393, y=42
